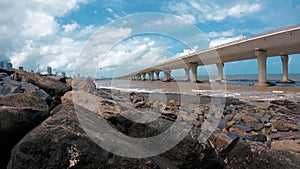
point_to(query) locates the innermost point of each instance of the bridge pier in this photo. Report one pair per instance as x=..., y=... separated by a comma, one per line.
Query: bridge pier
x=187, y=74
x=151, y=75
x=157, y=75
x=167, y=75
x=220, y=67
x=143, y=76
x=193, y=67
x=261, y=56
x=285, y=70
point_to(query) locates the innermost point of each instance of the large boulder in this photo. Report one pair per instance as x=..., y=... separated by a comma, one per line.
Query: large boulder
x=87, y=85
x=60, y=142
x=19, y=113
x=247, y=154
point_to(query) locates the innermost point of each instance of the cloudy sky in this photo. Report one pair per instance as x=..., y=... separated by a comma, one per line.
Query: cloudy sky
x=109, y=36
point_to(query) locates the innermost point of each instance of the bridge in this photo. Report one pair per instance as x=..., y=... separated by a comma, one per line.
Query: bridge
x=282, y=42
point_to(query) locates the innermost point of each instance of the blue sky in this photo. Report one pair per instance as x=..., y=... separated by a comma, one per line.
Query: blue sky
x=59, y=33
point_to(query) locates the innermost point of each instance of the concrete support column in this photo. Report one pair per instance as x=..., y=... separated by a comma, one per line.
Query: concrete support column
x=193, y=67
x=151, y=75
x=187, y=74
x=167, y=75
x=157, y=75
x=220, y=67
x=143, y=76
x=262, y=67
x=285, y=70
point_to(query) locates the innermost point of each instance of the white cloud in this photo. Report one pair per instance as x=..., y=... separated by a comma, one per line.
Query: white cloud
x=223, y=40
x=30, y=33
x=112, y=12
x=215, y=34
x=70, y=27
x=201, y=11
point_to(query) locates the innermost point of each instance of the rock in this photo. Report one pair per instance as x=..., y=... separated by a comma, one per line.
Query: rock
x=257, y=137
x=255, y=125
x=230, y=123
x=247, y=154
x=286, y=145
x=223, y=142
x=59, y=78
x=15, y=122
x=172, y=101
x=268, y=125
x=285, y=126
x=9, y=86
x=60, y=142
x=67, y=97
x=240, y=129
x=54, y=88
x=264, y=120
x=25, y=100
x=273, y=130
x=292, y=127
x=86, y=85
x=222, y=124
x=229, y=117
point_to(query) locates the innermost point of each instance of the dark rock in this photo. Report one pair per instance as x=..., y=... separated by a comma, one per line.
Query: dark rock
x=250, y=155
x=257, y=137
x=264, y=120
x=222, y=123
x=60, y=142
x=14, y=124
x=223, y=142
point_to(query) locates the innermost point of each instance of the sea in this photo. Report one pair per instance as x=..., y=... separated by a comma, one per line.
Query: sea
x=237, y=86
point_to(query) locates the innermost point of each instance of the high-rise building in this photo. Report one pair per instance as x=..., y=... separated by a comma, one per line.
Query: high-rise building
x=49, y=70
x=9, y=65
x=5, y=64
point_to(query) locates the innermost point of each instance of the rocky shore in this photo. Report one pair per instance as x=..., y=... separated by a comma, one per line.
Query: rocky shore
x=41, y=126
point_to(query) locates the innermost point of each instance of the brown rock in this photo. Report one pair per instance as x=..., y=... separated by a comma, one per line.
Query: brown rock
x=67, y=97
x=286, y=145
x=86, y=85
x=229, y=124
x=255, y=125
x=25, y=100
x=240, y=129
x=285, y=126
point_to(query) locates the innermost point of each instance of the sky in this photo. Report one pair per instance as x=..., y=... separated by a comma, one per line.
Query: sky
x=114, y=37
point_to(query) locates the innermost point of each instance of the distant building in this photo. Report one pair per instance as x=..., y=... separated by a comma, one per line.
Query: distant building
x=9, y=65
x=63, y=74
x=5, y=64
x=49, y=70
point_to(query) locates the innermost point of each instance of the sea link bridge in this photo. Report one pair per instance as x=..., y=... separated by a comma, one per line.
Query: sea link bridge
x=282, y=42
